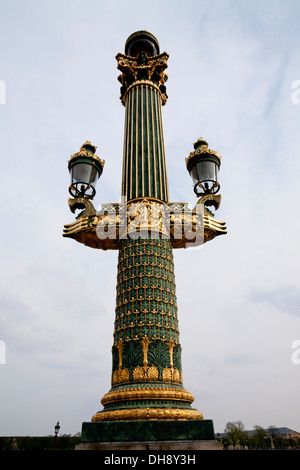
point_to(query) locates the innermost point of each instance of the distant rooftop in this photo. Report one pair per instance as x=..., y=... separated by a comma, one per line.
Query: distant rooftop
x=283, y=431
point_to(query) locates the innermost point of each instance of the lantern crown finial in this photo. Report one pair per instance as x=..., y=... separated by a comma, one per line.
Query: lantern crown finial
x=89, y=147
x=200, y=144
x=87, y=150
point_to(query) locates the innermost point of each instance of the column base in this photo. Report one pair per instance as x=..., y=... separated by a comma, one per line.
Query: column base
x=148, y=435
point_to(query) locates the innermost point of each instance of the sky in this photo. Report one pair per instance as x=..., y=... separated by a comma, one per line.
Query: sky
x=233, y=80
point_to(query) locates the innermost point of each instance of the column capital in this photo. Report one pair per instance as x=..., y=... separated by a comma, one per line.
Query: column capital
x=143, y=69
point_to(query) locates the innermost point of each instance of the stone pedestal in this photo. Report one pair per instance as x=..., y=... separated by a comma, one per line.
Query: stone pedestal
x=152, y=446
x=149, y=435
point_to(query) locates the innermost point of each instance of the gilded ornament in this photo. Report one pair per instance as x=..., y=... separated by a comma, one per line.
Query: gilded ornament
x=134, y=69
x=167, y=375
x=120, y=376
x=152, y=373
x=83, y=152
x=171, y=375
x=147, y=413
x=145, y=373
x=139, y=374
x=147, y=393
x=124, y=375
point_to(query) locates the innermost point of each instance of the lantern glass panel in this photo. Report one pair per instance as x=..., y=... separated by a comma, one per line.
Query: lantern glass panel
x=205, y=177
x=204, y=170
x=84, y=173
x=84, y=177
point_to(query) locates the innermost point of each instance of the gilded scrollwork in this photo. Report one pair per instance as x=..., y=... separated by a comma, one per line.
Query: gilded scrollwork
x=201, y=147
x=105, y=228
x=82, y=203
x=88, y=150
x=136, y=70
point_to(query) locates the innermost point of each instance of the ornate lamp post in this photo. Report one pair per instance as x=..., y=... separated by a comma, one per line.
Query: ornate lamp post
x=56, y=429
x=147, y=399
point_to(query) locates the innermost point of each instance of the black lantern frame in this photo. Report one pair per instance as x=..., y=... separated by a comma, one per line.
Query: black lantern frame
x=57, y=428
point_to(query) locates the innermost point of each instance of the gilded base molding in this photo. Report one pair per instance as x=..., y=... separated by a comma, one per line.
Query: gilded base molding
x=146, y=393
x=147, y=413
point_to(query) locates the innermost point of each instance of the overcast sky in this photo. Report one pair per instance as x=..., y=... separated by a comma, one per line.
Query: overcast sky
x=231, y=71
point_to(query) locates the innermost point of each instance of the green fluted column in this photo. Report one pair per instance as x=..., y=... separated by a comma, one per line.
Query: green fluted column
x=144, y=162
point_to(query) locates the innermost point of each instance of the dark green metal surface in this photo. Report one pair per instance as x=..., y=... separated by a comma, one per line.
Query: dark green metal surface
x=127, y=431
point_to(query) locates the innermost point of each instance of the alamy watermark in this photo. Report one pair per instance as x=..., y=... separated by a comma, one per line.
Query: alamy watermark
x=142, y=220
x=296, y=354
x=296, y=93
x=2, y=352
x=2, y=92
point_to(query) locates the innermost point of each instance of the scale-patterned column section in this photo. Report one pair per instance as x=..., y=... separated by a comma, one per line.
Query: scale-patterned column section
x=146, y=335
x=146, y=365
x=144, y=160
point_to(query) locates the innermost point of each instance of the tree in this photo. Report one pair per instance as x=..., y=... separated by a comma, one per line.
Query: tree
x=236, y=432
x=259, y=436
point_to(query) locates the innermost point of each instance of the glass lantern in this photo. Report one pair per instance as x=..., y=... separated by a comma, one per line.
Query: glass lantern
x=85, y=170
x=203, y=166
x=57, y=428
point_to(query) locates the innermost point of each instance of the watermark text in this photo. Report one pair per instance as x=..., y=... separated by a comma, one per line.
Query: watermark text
x=296, y=93
x=296, y=353
x=145, y=219
x=2, y=352
x=2, y=92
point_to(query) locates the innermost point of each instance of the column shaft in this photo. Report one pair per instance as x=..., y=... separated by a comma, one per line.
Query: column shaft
x=144, y=161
